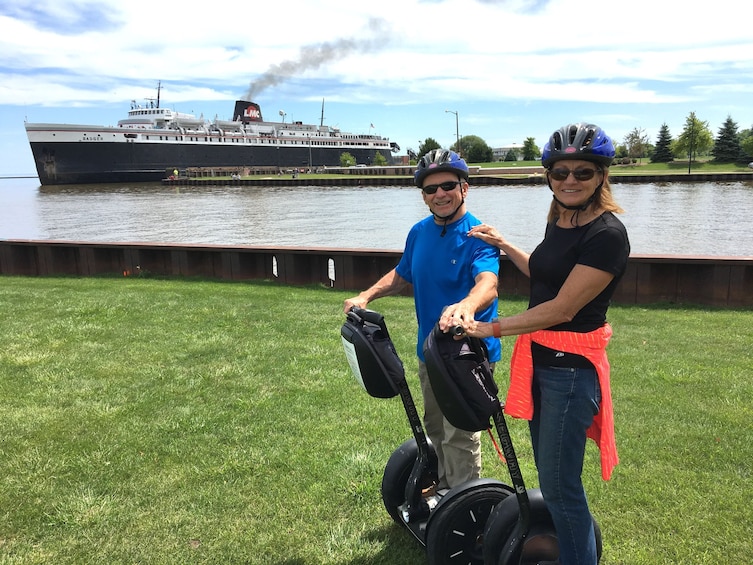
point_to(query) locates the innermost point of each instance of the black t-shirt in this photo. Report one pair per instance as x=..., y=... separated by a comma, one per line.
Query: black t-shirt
x=602, y=244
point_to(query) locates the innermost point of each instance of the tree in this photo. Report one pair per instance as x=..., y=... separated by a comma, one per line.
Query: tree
x=636, y=142
x=379, y=160
x=531, y=151
x=347, y=160
x=695, y=139
x=663, y=150
x=746, y=142
x=727, y=147
x=428, y=144
x=511, y=155
x=474, y=149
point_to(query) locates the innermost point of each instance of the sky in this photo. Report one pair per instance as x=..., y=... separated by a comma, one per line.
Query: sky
x=504, y=70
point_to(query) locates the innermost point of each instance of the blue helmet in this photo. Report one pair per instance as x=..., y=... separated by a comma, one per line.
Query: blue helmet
x=438, y=160
x=585, y=142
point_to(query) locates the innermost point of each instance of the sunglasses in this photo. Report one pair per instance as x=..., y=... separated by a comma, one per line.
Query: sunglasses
x=447, y=186
x=579, y=174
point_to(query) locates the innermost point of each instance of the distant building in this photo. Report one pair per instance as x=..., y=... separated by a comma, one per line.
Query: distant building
x=499, y=153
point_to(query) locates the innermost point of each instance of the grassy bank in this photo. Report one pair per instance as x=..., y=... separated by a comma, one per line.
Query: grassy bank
x=643, y=166
x=169, y=421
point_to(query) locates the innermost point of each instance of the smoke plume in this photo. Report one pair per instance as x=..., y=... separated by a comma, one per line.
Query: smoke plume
x=313, y=56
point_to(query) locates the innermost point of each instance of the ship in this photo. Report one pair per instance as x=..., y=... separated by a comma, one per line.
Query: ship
x=153, y=142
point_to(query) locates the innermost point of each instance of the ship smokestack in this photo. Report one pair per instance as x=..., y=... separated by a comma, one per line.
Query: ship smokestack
x=247, y=112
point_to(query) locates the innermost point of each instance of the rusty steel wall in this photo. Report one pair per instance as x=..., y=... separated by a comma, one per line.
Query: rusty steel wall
x=714, y=281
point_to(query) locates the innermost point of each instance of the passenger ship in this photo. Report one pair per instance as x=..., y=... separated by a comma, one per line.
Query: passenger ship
x=153, y=141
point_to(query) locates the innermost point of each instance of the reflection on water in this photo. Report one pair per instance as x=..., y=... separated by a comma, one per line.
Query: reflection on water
x=669, y=218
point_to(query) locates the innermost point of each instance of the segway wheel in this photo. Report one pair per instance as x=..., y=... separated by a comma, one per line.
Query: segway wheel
x=540, y=542
x=396, y=475
x=455, y=533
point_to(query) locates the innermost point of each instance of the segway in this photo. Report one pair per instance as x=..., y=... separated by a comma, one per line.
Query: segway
x=519, y=530
x=449, y=523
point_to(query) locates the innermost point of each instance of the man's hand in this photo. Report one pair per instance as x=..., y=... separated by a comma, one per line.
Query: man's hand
x=458, y=314
x=356, y=301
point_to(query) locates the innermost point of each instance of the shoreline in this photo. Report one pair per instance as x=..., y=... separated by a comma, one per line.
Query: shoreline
x=477, y=180
x=725, y=282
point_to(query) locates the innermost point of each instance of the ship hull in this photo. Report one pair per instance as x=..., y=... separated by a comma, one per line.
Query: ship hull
x=117, y=162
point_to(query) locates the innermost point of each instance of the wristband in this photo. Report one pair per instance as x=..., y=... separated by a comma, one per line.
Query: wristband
x=496, y=328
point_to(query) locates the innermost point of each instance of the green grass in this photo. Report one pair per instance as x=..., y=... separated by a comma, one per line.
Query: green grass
x=642, y=167
x=176, y=421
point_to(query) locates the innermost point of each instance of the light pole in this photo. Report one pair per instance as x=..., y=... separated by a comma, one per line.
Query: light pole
x=457, y=130
x=283, y=114
x=311, y=165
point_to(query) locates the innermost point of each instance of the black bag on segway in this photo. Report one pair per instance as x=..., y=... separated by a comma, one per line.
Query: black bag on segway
x=461, y=379
x=371, y=354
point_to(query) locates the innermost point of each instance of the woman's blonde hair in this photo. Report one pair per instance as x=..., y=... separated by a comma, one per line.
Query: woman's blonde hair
x=604, y=199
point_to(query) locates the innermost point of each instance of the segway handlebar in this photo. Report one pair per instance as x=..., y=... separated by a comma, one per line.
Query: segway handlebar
x=368, y=315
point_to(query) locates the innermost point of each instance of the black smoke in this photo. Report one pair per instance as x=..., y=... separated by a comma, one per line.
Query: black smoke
x=313, y=56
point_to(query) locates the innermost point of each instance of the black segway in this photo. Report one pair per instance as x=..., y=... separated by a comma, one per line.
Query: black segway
x=519, y=530
x=448, y=522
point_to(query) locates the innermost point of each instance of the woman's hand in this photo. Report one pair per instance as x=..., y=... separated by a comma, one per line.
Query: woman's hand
x=488, y=234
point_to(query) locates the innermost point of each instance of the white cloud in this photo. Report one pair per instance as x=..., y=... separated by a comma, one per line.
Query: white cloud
x=647, y=61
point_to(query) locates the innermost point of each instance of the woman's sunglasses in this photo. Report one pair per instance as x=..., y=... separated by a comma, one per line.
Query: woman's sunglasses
x=447, y=186
x=579, y=174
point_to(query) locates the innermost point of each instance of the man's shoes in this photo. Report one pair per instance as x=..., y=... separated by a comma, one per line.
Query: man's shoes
x=429, y=491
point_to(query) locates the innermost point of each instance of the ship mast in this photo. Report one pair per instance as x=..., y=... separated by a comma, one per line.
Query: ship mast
x=151, y=100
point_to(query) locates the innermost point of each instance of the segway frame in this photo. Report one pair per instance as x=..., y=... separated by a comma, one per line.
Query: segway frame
x=449, y=523
x=519, y=530
x=378, y=368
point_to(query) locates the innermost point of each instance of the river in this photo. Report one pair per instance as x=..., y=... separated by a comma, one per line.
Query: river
x=700, y=218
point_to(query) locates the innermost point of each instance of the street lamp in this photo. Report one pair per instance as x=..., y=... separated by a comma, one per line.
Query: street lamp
x=311, y=165
x=283, y=114
x=457, y=131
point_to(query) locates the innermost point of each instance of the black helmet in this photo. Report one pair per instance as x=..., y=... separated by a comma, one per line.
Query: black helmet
x=586, y=142
x=438, y=160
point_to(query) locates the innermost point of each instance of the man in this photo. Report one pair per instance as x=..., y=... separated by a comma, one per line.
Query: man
x=447, y=268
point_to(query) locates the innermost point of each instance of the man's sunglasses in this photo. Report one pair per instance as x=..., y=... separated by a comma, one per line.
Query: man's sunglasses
x=579, y=174
x=447, y=186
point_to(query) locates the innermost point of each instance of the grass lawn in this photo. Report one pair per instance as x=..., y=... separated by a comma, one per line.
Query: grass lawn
x=187, y=421
x=642, y=167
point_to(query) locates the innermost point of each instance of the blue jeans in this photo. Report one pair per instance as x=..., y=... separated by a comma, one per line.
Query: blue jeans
x=565, y=402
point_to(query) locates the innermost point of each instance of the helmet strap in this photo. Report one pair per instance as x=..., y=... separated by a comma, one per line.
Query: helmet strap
x=580, y=207
x=448, y=217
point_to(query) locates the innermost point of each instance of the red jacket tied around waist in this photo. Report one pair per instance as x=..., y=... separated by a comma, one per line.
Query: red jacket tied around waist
x=592, y=346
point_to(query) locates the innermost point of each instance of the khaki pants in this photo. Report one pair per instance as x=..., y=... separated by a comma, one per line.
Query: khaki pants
x=458, y=451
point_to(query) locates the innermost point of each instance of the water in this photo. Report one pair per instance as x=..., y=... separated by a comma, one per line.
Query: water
x=669, y=218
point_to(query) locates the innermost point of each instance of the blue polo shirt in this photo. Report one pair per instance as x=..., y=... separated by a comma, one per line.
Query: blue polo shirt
x=443, y=269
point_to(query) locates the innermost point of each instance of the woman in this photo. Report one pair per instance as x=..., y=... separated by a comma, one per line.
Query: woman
x=559, y=377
